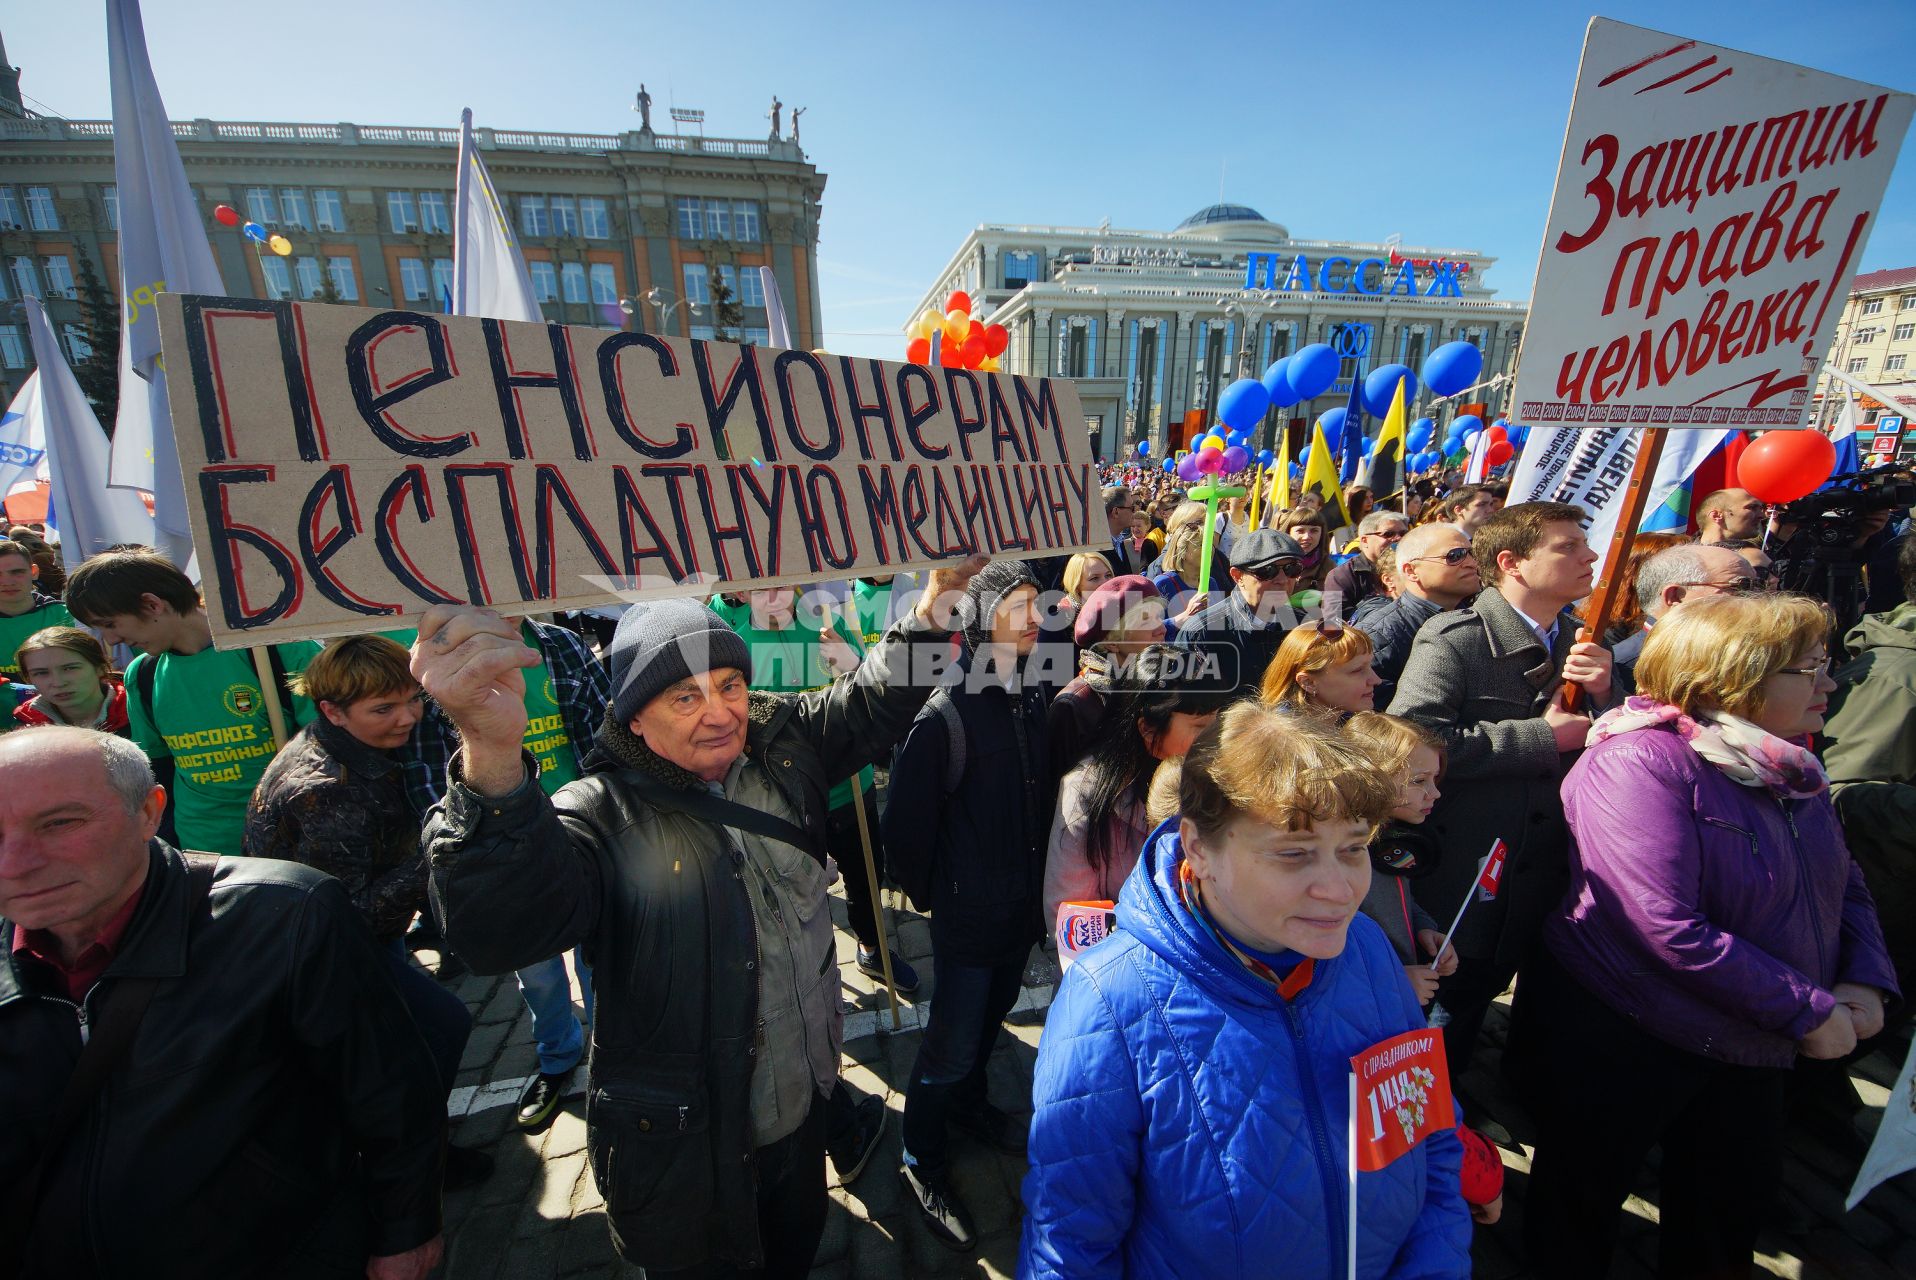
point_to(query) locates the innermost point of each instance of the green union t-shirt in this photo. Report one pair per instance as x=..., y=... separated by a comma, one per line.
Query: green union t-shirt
x=15, y=630
x=546, y=735
x=209, y=716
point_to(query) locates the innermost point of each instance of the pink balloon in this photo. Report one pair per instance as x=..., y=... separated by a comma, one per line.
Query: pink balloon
x=1210, y=461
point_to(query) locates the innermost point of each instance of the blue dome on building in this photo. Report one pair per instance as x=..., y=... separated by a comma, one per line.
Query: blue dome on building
x=1230, y=222
x=1221, y=213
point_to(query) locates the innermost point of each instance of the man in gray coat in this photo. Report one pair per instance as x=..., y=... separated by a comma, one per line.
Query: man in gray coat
x=1489, y=679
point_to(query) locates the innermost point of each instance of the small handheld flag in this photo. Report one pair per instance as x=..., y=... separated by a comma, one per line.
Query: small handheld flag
x=1489, y=878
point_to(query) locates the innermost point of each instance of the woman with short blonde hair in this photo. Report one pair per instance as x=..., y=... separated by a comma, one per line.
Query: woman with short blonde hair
x=1716, y=930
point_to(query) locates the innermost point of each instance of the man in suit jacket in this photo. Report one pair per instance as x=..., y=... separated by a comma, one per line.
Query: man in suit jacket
x=1119, y=506
x=1489, y=679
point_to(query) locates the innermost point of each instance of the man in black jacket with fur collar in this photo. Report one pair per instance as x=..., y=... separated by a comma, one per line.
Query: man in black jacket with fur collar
x=691, y=865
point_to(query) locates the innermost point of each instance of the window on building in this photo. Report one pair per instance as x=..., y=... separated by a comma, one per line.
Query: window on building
x=41, y=215
x=758, y=337
x=260, y=207
x=703, y=332
x=572, y=281
x=751, y=287
x=1075, y=353
x=441, y=280
x=60, y=276
x=292, y=208
x=691, y=218
x=13, y=346
x=412, y=279
x=1854, y=366
x=306, y=272
x=26, y=280
x=593, y=223
x=1904, y=332
x=345, y=282
x=545, y=281
x=728, y=276
x=279, y=281
x=1909, y=302
x=110, y=201
x=401, y=212
x=1894, y=364
x=565, y=216
x=696, y=288
x=718, y=219
x=433, y=216
x=327, y=214
x=79, y=349
x=1020, y=269
x=605, y=283
x=745, y=221
x=532, y=215
x=1872, y=306
x=1864, y=337
x=9, y=208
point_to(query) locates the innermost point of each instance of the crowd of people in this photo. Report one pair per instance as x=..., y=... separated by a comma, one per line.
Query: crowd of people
x=1281, y=783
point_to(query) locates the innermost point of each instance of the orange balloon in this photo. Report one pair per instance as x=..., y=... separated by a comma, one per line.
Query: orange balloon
x=959, y=301
x=997, y=338
x=918, y=351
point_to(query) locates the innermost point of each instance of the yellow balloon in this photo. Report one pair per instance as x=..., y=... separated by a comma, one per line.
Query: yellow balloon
x=989, y=364
x=1210, y=442
x=957, y=323
x=934, y=322
x=920, y=328
x=280, y=245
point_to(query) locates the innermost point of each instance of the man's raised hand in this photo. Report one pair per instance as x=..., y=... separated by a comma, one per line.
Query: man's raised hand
x=471, y=662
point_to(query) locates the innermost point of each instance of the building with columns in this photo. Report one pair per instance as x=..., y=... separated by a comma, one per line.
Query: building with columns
x=618, y=230
x=1152, y=324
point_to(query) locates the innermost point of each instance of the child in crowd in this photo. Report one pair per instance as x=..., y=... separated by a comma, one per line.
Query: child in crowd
x=1401, y=853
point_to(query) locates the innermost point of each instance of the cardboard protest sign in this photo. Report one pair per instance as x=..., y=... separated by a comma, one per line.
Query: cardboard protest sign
x=1710, y=211
x=1403, y=1096
x=349, y=467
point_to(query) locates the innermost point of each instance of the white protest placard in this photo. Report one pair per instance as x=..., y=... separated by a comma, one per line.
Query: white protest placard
x=346, y=468
x=1590, y=466
x=1710, y=211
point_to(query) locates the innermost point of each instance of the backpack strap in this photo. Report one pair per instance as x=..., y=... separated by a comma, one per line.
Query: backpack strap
x=718, y=810
x=164, y=770
x=954, y=739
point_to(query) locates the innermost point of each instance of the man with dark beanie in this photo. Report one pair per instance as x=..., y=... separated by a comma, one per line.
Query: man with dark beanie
x=966, y=821
x=689, y=863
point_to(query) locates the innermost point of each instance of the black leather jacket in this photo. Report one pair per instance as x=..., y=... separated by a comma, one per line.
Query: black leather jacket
x=658, y=900
x=277, y=1114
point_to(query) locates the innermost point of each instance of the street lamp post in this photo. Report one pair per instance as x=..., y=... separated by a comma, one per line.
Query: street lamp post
x=665, y=309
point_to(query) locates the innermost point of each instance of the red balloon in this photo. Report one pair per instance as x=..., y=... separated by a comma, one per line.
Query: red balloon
x=226, y=215
x=1783, y=466
x=1496, y=434
x=951, y=355
x=958, y=301
x=974, y=349
x=997, y=338
x=918, y=351
x=1499, y=452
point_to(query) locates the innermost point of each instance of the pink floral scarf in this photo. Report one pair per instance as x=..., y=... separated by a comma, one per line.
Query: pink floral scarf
x=1746, y=753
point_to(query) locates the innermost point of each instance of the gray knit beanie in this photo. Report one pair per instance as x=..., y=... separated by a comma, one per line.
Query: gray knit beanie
x=987, y=588
x=661, y=642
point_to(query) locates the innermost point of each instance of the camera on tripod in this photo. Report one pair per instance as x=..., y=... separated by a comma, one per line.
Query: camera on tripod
x=1832, y=516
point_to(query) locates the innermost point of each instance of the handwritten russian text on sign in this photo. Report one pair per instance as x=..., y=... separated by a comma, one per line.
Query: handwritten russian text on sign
x=347, y=467
x=1403, y=1096
x=1710, y=210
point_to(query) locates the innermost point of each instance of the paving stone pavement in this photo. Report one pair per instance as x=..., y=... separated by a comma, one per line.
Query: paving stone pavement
x=541, y=1218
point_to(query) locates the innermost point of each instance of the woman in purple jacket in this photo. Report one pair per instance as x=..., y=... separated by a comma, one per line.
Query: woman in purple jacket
x=1715, y=929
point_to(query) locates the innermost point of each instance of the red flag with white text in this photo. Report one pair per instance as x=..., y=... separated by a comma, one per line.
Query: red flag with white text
x=1490, y=879
x=1403, y=1096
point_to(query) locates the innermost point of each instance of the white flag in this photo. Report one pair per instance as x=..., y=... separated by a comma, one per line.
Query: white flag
x=488, y=274
x=163, y=248
x=1590, y=466
x=90, y=516
x=1476, y=470
x=23, y=445
x=775, y=321
x=1894, y=1149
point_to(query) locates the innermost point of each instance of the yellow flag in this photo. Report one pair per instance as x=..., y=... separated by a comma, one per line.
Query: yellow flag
x=1320, y=477
x=1281, y=474
x=1383, y=471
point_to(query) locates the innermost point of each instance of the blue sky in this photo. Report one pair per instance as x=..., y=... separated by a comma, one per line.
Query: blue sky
x=1441, y=122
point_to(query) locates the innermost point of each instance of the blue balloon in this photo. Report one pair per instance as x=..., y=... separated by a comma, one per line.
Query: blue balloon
x=1312, y=371
x=1266, y=457
x=1452, y=367
x=1243, y=404
x=1463, y=425
x=1370, y=443
x=1381, y=386
x=1418, y=437
x=1238, y=439
x=1333, y=423
x=1171, y=466
x=1297, y=472
x=1304, y=456
x=1144, y=448
x=1277, y=381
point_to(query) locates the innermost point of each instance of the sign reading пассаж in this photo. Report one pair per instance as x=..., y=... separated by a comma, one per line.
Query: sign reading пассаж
x=348, y=467
x=1710, y=210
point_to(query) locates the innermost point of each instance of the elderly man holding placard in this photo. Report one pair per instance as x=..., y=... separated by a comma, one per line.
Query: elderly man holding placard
x=691, y=866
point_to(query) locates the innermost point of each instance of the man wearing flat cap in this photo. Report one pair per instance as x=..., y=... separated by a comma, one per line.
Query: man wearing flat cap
x=1245, y=628
x=690, y=864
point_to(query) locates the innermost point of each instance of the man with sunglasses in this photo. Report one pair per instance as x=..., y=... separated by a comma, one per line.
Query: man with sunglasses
x=1435, y=572
x=1666, y=580
x=1245, y=628
x=1356, y=579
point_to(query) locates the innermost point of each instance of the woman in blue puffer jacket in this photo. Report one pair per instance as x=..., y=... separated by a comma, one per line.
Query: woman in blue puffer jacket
x=1191, y=1085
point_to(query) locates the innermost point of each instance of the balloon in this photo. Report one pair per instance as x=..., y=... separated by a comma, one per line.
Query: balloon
x=1277, y=381
x=1370, y=443
x=1304, y=456
x=1499, y=453
x=934, y=322
x=957, y=323
x=1381, y=385
x=1418, y=437
x=1496, y=432
x=1187, y=469
x=1463, y=425
x=280, y=245
x=1236, y=458
x=1210, y=462
x=951, y=354
x=1312, y=371
x=1170, y=466
x=1243, y=403
x=226, y=215
x=1210, y=444
x=918, y=329
x=990, y=365
x=1783, y=466
x=1470, y=441
x=1297, y=473
x=958, y=301
x=254, y=232
x=918, y=351
x=1333, y=423
x=1144, y=448
x=974, y=350
x=1452, y=367
x=1238, y=439
x=997, y=338
x=1266, y=457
